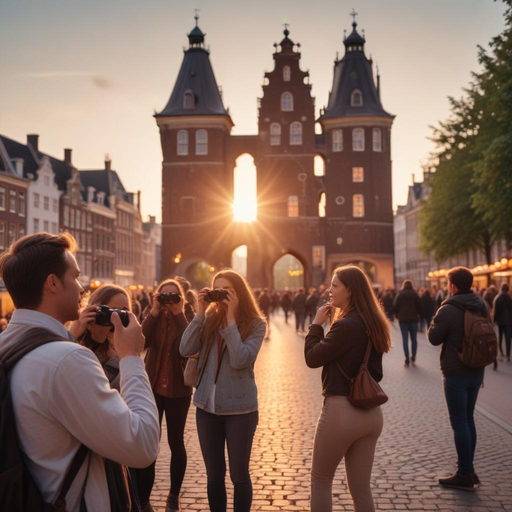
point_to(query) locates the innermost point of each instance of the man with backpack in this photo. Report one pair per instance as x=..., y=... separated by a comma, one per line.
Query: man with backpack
x=463, y=328
x=59, y=415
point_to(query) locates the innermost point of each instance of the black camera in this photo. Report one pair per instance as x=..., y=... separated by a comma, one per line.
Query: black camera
x=104, y=313
x=169, y=297
x=216, y=295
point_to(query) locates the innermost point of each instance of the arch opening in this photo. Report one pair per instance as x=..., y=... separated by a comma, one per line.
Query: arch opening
x=200, y=274
x=319, y=165
x=245, y=204
x=239, y=260
x=288, y=272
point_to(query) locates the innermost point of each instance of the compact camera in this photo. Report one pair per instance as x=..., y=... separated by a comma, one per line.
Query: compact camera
x=104, y=313
x=216, y=295
x=169, y=298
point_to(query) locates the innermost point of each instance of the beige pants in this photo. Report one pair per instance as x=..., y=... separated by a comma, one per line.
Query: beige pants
x=344, y=431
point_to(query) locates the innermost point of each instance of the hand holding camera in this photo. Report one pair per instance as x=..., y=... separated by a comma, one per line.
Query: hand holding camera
x=87, y=316
x=128, y=338
x=232, y=301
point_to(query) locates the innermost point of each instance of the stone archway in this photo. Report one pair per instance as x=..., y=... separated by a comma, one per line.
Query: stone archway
x=288, y=272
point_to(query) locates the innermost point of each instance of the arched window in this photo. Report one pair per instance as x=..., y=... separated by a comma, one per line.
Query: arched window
x=358, y=139
x=321, y=205
x=286, y=102
x=275, y=134
x=357, y=174
x=293, y=206
x=356, y=99
x=377, y=140
x=287, y=74
x=337, y=141
x=183, y=142
x=296, y=134
x=358, y=205
x=189, y=101
x=201, y=142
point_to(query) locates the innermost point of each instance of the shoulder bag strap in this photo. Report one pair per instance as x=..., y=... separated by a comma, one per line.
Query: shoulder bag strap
x=31, y=340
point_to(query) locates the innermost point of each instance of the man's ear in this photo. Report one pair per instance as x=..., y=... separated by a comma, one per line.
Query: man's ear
x=53, y=284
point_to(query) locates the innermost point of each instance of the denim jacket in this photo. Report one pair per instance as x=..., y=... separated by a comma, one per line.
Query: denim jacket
x=236, y=389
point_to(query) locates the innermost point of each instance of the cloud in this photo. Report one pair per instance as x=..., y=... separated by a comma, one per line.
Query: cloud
x=98, y=81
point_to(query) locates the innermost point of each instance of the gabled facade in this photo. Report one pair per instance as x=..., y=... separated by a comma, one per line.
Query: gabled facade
x=343, y=216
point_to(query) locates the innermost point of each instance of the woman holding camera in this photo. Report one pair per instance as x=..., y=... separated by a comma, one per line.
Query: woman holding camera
x=227, y=331
x=92, y=331
x=163, y=328
x=343, y=430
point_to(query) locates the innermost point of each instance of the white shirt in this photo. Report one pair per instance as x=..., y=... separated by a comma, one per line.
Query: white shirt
x=61, y=398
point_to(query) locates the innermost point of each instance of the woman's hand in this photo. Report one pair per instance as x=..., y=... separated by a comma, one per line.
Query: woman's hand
x=323, y=313
x=232, y=302
x=202, y=305
x=156, y=307
x=87, y=317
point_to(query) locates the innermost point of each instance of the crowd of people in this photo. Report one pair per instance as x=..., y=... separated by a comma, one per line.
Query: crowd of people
x=99, y=396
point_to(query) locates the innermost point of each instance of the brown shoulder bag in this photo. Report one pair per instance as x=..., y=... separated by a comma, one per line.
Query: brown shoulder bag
x=365, y=391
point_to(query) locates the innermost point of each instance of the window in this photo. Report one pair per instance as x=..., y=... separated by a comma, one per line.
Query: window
x=287, y=102
x=2, y=198
x=54, y=228
x=321, y=205
x=46, y=226
x=183, y=142
x=46, y=203
x=337, y=141
x=293, y=206
x=77, y=219
x=12, y=234
x=296, y=134
x=287, y=74
x=12, y=201
x=189, y=101
x=55, y=206
x=46, y=181
x=357, y=174
x=275, y=134
x=2, y=235
x=66, y=216
x=356, y=99
x=358, y=139
x=358, y=205
x=21, y=230
x=377, y=140
x=201, y=142
x=21, y=204
x=36, y=200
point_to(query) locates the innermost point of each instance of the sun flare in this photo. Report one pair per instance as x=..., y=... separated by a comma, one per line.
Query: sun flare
x=245, y=203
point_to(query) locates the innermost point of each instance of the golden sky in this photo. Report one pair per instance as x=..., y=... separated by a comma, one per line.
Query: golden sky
x=88, y=74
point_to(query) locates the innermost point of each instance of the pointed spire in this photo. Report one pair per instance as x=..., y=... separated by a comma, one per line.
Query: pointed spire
x=354, y=42
x=196, y=37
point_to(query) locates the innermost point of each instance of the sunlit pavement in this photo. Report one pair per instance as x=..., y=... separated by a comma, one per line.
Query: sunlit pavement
x=415, y=448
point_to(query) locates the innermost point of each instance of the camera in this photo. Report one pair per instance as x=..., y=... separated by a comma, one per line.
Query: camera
x=216, y=295
x=104, y=313
x=168, y=298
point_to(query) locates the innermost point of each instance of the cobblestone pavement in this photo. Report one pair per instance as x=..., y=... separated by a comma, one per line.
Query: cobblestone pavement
x=415, y=448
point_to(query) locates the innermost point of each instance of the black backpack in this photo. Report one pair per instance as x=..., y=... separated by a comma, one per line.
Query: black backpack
x=18, y=491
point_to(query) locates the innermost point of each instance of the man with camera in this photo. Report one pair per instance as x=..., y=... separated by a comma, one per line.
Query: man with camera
x=60, y=394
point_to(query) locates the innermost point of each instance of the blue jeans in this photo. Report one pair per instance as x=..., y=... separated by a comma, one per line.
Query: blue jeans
x=461, y=392
x=411, y=328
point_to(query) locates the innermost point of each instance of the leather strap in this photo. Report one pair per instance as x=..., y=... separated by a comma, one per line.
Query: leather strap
x=73, y=470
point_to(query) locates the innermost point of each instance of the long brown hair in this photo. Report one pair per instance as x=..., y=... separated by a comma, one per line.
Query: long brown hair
x=364, y=302
x=248, y=312
x=176, y=283
x=102, y=295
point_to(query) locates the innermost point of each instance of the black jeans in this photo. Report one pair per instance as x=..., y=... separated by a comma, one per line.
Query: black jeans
x=461, y=392
x=505, y=330
x=237, y=430
x=176, y=410
x=300, y=319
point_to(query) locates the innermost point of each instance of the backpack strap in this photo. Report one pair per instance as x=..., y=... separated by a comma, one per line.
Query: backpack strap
x=32, y=339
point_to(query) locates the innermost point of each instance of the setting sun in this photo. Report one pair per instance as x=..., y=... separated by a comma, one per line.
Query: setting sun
x=245, y=203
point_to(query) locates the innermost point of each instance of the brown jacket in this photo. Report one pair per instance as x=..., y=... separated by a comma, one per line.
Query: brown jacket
x=155, y=330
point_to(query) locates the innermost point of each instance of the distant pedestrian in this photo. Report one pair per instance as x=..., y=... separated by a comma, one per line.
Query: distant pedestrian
x=312, y=304
x=502, y=314
x=343, y=430
x=265, y=303
x=299, y=308
x=407, y=307
x=286, y=304
x=428, y=306
x=441, y=296
x=387, y=303
x=228, y=334
x=461, y=383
